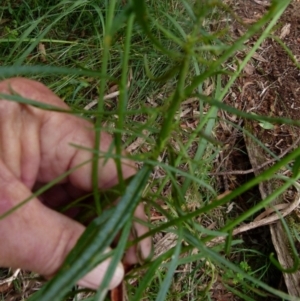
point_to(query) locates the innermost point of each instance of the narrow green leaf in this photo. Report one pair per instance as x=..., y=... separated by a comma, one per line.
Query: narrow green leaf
x=88, y=252
x=171, y=269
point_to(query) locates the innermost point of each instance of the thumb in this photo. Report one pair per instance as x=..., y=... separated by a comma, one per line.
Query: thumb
x=37, y=238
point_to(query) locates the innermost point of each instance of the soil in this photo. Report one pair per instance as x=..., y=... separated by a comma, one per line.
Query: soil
x=270, y=83
x=270, y=86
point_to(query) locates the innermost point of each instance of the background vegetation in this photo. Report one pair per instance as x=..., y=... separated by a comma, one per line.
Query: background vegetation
x=164, y=59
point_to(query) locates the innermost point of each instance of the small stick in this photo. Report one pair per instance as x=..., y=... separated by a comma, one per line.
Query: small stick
x=11, y=278
x=260, y=221
x=244, y=172
x=106, y=97
x=111, y=95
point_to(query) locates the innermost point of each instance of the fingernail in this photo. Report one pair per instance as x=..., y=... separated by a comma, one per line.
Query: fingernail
x=95, y=277
x=145, y=250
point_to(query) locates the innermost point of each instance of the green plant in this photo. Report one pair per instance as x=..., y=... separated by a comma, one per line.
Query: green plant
x=173, y=56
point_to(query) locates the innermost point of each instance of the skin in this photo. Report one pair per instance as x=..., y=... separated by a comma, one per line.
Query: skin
x=35, y=149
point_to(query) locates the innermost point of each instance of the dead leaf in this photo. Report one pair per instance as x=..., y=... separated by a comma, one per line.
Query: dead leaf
x=192, y=125
x=222, y=195
x=285, y=31
x=209, y=89
x=196, y=113
x=259, y=58
x=263, y=3
x=249, y=69
x=166, y=243
x=230, y=207
x=42, y=52
x=152, y=102
x=190, y=100
x=113, y=88
x=137, y=143
x=241, y=32
x=212, y=226
x=249, y=21
x=183, y=113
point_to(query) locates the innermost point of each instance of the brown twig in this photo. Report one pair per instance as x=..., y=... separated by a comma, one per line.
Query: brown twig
x=12, y=278
x=244, y=172
x=109, y=96
x=273, y=215
x=263, y=3
x=106, y=97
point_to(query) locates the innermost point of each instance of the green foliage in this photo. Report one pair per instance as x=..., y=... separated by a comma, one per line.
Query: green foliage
x=161, y=53
x=237, y=278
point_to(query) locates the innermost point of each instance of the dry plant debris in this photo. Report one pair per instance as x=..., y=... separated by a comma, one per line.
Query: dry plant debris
x=270, y=86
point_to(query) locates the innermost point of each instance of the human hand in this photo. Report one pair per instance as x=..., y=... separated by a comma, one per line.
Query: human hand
x=35, y=149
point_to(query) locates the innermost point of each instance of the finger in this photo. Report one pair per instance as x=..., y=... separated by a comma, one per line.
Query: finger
x=37, y=238
x=142, y=251
x=10, y=147
x=19, y=144
x=58, y=133
x=19, y=137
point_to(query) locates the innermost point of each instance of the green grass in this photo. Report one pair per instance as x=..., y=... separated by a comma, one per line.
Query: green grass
x=157, y=63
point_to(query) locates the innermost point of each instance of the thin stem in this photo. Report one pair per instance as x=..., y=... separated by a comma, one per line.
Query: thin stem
x=123, y=101
x=105, y=58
